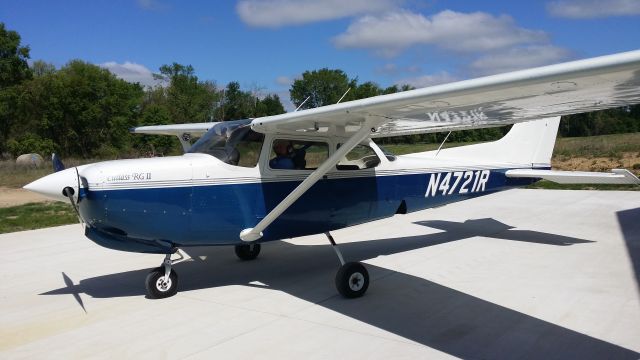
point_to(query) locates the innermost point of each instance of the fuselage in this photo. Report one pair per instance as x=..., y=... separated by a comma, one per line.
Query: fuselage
x=196, y=200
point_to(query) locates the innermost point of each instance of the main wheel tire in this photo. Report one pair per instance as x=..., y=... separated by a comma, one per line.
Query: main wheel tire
x=352, y=280
x=157, y=288
x=247, y=251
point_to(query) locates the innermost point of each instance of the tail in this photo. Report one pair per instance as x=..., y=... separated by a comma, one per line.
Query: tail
x=528, y=143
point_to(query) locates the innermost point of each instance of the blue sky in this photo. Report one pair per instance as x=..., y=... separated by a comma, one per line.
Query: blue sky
x=264, y=44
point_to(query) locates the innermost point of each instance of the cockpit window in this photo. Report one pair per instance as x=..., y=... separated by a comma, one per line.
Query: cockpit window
x=232, y=142
x=388, y=154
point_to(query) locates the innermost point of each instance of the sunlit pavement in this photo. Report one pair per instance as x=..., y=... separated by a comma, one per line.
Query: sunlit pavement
x=520, y=274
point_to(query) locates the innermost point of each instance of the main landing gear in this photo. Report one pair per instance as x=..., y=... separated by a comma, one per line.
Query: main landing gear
x=352, y=279
x=247, y=251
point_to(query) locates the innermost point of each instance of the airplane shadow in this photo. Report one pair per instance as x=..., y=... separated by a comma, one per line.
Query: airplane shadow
x=414, y=308
x=629, y=221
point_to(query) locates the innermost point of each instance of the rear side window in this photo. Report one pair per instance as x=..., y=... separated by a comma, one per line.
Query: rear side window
x=360, y=157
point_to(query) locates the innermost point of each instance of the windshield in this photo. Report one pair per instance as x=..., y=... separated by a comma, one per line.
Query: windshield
x=390, y=156
x=232, y=142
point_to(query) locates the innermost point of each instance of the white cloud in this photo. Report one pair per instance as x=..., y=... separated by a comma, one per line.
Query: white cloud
x=393, y=69
x=393, y=32
x=276, y=13
x=132, y=72
x=519, y=58
x=151, y=4
x=284, y=80
x=442, y=77
x=584, y=9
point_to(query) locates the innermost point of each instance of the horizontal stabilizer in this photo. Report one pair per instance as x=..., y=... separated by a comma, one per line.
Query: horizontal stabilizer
x=616, y=176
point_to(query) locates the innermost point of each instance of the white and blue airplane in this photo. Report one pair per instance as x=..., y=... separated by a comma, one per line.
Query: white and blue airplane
x=246, y=182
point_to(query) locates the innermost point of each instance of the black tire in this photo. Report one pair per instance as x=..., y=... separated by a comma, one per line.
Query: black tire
x=247, y=251
x=352, y=280
x=156, y=289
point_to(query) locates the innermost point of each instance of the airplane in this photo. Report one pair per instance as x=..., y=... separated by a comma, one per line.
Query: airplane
x=251, y=181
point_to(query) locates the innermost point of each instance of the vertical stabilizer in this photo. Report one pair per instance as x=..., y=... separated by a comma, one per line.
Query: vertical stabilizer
x=528, y=143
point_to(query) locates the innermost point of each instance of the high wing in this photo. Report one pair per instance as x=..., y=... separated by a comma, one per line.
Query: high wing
x=184, y=132
x=194, y=129
x=555, y=90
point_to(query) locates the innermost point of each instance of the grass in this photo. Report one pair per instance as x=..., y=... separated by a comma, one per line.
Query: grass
x=598, y=146
x=35, y=216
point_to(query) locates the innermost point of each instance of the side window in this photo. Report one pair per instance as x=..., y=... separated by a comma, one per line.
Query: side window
x=297, y=155
x=360, y=157
x=249, y=149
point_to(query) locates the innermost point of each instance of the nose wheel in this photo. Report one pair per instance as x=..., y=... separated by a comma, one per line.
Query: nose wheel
x=162, y=282
x=158, y=286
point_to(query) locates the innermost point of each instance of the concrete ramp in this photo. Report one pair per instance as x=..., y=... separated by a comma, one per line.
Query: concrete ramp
x=520, y=274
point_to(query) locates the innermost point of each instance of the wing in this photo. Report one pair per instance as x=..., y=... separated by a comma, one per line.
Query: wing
x=195, y=129
x=562, y=89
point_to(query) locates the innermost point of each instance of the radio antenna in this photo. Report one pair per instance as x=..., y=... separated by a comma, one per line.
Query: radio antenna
x=299, y=106
x=345, y=94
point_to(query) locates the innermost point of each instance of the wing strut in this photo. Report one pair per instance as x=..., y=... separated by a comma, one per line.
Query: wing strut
x=255, y=233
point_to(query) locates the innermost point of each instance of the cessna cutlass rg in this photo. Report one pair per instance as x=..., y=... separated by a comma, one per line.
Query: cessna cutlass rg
x=227, y=190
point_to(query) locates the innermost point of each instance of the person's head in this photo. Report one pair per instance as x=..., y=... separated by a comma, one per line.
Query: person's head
x=281, y=147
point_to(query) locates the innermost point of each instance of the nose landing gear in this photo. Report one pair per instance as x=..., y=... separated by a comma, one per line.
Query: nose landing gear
x=162, y=282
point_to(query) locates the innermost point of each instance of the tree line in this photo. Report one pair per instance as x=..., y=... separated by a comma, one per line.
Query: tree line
x=83, y=110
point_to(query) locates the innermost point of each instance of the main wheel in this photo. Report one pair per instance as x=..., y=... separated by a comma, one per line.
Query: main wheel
x=248, y=251
x=352, y=280
x=157, y=288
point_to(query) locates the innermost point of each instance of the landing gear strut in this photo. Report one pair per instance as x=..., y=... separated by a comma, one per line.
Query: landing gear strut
x=162, y=282
x=352, y=279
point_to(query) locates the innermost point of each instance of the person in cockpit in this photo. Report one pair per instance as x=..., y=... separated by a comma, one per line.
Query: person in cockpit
x=282, y=160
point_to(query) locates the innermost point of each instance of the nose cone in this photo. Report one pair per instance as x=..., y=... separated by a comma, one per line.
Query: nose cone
x=51, y=185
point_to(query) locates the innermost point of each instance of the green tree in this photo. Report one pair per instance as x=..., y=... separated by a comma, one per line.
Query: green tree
x=322, y=87
x=269, y=105
x=41, y=68
x=13, y=70
x=84, y=109
x=237, y=104
x=13, y=58
x=188, y=99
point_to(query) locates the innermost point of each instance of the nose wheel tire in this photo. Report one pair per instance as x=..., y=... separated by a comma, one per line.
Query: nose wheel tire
x=352, y=280
x=157, y=287
x=247, y=251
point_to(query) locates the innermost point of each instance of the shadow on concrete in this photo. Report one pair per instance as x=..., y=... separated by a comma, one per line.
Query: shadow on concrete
x=629, y=221
x=414, y=308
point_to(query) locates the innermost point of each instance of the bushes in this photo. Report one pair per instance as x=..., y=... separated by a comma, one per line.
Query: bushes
x=31, y=143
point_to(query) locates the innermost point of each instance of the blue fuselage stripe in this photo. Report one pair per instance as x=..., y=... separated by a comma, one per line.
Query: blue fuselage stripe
x=215, y=215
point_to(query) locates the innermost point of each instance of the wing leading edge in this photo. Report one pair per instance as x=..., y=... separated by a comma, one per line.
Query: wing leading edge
x=555, y=90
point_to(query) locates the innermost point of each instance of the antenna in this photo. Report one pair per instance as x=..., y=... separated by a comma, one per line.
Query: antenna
x=299, y=106
x=343, y=95
x=443, y=141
